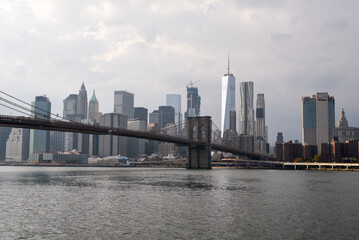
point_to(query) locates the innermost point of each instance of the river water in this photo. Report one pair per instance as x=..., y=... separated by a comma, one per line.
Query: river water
x=137, y=203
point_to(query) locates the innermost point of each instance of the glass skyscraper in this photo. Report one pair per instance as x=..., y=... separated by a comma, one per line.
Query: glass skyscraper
x=228, y=99
x=318, y=119
x=174, y=100
x=193, y=102
x=246, y=111
x=40, y=139
x=260, y=116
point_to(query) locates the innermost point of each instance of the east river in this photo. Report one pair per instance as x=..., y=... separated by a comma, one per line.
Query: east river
x=137, y=203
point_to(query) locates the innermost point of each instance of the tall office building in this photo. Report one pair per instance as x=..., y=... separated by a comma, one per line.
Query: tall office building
x=141, y=113
x=228, y=99
x=4, y=135
x=70, y=106
x=155, y=117
x=17, y=145
x=167, y=115
x=135, y=146
x=40, y=139
x=57, y=141
x=82, y=102
x=280, y=138
x=246, y=111
x=111, y=145
x=94, y=113
x=193, y=102
x=174, y=100
x=123, y=103
x=233, y=121
x=318, y=119
x=260, y=116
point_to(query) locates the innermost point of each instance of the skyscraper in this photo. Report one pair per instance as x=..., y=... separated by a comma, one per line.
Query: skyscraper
x=318, y=119
x=94, y=113
x=246, y=112
x=141, y=113
x=228, y=99
x=135, y=146
x=174, y=100
x=111, y=145
x=193, y=102
x=70, y=108
x=17, y=145
x=82, y=102
x=123, y=103
x=260, y=116
x=280, y=138
x=155, y=117
x=167, y=115
x=40, y=139
x=4, y=135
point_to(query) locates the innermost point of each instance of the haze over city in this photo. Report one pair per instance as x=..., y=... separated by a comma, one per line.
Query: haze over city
x=289, y=49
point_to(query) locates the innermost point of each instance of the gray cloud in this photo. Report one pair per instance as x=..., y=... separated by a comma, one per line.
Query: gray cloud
x=289, y=49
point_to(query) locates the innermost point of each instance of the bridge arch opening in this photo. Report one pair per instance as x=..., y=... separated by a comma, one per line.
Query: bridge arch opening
x=194, y=132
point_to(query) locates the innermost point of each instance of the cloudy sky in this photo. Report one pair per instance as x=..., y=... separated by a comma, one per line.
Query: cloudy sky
x=289, y=49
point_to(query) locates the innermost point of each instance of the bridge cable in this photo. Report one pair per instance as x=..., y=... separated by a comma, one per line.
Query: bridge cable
x=56, y=115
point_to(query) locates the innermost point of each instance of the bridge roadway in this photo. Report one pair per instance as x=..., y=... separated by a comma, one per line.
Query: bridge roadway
x=62, y=126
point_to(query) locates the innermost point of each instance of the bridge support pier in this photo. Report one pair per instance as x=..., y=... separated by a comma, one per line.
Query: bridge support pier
x=199, y=128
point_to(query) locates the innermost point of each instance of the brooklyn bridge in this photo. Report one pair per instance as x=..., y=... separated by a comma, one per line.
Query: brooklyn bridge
x=198, y=139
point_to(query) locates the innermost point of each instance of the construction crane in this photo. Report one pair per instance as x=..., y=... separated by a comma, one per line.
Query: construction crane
x=191, y=83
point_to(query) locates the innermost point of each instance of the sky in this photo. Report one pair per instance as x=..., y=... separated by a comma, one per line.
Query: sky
x=289, y=49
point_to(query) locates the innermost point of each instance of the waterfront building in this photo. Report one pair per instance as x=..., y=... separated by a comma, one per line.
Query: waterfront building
x=318, y=119
x=228, y=99
x=141, y=113
x=309, y=151
x=135, y=146
x=111, y=145
x=82, y=103
x=246, y=111
x=4, y=135
x=167, y=115
x=343, y=132
x=17, y=145
x=193, y=102
x=124, y=103
x=340, y=151
x=174, y=100
x=167, y=149
x=289, y=151
x=94, y=111
x=59, y=158
x=40, y=139
x=57, y=141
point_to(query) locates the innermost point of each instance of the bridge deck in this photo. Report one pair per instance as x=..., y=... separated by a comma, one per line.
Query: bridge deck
x=62, y=126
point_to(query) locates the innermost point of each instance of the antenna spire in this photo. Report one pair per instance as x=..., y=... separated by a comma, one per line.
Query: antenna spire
x=228, y=63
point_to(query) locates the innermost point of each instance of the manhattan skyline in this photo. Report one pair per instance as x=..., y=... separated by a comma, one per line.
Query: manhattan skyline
x=288, y=49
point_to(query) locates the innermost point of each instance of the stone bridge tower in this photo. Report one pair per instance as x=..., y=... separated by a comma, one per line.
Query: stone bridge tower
x=199, y=128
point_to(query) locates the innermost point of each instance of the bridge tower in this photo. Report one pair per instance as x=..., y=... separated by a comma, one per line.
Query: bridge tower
x=199, y=128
